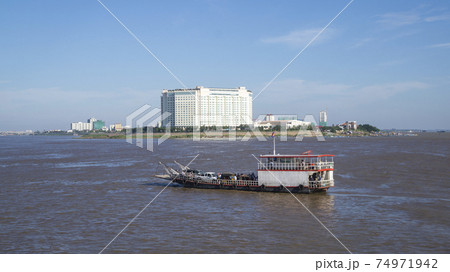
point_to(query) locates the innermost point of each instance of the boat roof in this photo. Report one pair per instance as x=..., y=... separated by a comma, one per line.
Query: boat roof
x=295, y=156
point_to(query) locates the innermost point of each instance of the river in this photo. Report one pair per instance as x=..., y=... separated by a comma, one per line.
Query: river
x=68, y=195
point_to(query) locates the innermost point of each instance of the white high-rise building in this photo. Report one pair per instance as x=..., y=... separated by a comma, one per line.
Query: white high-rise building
x=207, y=107
x=323, y=119
x=80, y=126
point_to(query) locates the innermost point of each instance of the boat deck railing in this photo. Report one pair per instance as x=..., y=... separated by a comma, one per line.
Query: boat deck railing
x=295, y=166
x=228, y=182
x=225, y=182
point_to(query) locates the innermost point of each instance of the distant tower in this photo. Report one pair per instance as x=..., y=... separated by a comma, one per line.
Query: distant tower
x=323, y=120
x=91, y=123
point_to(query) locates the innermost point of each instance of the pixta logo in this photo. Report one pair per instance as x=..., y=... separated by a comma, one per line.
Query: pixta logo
x=140, y=124
x=144, y=122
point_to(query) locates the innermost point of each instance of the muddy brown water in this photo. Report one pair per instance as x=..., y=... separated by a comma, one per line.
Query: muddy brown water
x=65, y=195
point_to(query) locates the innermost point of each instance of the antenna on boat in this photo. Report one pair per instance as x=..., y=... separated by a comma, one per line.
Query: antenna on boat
x=273, y=137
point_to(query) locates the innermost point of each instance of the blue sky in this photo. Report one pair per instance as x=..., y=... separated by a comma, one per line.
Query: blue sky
x=386, y=63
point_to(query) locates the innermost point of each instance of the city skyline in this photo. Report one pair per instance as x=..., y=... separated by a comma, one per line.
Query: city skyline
x=382, y=63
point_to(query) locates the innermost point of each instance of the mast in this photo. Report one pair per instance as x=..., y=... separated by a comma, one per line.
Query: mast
x=273, y=137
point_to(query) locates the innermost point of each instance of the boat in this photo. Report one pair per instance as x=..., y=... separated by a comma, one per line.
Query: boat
x=301, y=173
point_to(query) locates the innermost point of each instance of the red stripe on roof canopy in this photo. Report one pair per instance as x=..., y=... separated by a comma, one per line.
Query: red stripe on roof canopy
x=295, y=156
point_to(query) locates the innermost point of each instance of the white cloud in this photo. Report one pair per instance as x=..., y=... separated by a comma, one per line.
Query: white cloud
x=396, y=19
x=301, y=37
x=362, y=42
x=441, y=45
x=404, y=18
x=301, y=90
x=443, y=17
x=52, y=108
x=72, y=97
x=374, y=103
x=385, y=91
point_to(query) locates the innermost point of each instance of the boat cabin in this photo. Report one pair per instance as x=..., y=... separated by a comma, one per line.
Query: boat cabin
x=296, y=162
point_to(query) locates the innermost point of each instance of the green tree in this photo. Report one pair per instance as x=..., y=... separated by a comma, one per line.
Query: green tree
x=368, y=128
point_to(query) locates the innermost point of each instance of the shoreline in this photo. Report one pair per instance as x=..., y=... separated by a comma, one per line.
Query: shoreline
x=240, y=135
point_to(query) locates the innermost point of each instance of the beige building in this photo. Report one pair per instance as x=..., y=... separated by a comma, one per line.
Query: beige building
x=203, y=106
x=350, y=125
